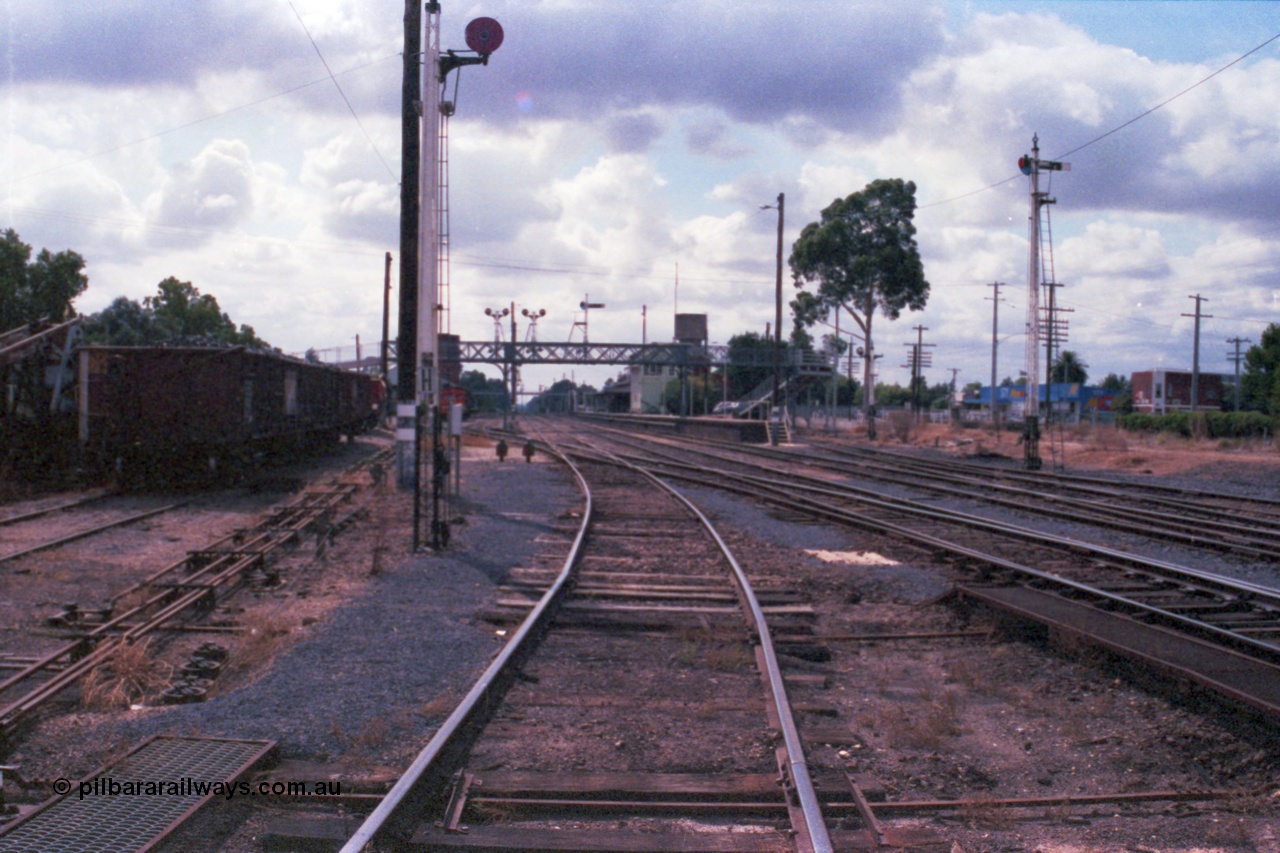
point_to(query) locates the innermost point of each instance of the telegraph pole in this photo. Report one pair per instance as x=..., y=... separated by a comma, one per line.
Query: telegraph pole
x=1195, y=357
x=918, y=364
x=1236, y=359
x=407, y=344
x=995, y=300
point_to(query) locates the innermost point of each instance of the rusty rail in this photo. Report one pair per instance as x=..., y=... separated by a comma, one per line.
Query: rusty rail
x=400, y=809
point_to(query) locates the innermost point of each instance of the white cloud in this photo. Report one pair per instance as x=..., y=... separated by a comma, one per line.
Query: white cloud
x=605, y=143
x=214, y=191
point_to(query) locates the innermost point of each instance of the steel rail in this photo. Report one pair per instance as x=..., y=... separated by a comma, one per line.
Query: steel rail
x=1075, y=481
x=782, y=496
x=98, y=644
x=815, y=824
x=1253, y=540
x=92, y=531
x=397, y=813
x=827, y=489
x=36, y=513
x=1256, y=540
x=815, y=828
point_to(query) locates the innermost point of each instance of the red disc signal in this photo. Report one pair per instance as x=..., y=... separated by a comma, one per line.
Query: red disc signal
x=484, y=35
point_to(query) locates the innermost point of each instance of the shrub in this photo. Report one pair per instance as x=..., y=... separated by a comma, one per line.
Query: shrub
x=1201, y=424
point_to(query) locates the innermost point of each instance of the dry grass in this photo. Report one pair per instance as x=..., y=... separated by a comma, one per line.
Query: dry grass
x=441, y=706
x=1106, y=438
x=374, y=736
x=734, y=657
x=132, y=675
x=901, y=426
x=926, y=726
x=1104, y=447
x=264, y=635
x=981, y=812
x=699, y=648
x=381, y=532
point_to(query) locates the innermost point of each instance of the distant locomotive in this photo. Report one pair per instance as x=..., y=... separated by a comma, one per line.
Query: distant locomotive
x=151, y=412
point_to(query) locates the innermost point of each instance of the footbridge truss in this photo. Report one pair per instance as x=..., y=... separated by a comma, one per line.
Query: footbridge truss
x=671, y=354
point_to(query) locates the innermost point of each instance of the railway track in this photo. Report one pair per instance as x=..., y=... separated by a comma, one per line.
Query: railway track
x=638, y=705
x=1218, y=632
x=184, y=590
x=1249, y=527
x=22, y=534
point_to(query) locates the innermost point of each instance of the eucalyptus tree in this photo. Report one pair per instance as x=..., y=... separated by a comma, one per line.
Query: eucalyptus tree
x=1261, y=377
x=861, y=256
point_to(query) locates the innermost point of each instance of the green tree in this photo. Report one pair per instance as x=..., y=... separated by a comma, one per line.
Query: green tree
x=1260, y=381
x=936, y=396
x=487, y=394
x=1116, y=384
x=42, y=289
x=185, y=312
x=751, y=362
x=123, y=323
x=892, y=396
x=33, y=291
x=703, y=394
x=178, y=312
x=862, y=256
x=1069, y=367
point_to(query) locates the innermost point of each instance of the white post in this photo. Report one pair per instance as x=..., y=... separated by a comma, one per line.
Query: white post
x=1032, y=407
x=429, y=217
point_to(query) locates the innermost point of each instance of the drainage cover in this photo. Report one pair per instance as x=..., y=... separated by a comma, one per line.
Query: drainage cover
x=131, y=805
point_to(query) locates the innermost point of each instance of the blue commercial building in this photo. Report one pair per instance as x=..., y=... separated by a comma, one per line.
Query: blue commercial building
x=1072, y=399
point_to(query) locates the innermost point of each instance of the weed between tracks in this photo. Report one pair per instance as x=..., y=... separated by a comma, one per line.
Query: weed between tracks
x=264, y=635
x=926, y=726
x=983, y=812
x=700, y=648
x=133, y=674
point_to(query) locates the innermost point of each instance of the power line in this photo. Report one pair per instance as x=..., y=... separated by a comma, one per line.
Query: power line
x=162, y=133
x=1116, y=129
x=602, y=272
x=338, y=86
x=327, y=246
x=1167, y=101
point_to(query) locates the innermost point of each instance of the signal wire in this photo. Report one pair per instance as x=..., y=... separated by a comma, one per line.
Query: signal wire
x=345, y=100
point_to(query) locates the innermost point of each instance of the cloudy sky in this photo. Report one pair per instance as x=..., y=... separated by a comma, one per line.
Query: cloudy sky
x=610, y=142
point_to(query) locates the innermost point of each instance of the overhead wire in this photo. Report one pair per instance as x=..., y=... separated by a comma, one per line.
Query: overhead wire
x=162, y=133
x=1113, y=130
x=345, y=99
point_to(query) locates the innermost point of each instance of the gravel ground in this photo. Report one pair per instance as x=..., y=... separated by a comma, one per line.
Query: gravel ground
x=374, y=676
x=371, y=665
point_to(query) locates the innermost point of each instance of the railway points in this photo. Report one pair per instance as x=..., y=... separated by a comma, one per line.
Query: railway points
x=920, y=725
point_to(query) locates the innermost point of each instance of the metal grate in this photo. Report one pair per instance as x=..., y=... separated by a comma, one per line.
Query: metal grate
x=124, y=823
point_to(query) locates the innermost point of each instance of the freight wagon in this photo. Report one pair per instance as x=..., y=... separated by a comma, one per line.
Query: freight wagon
x=155, y=412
